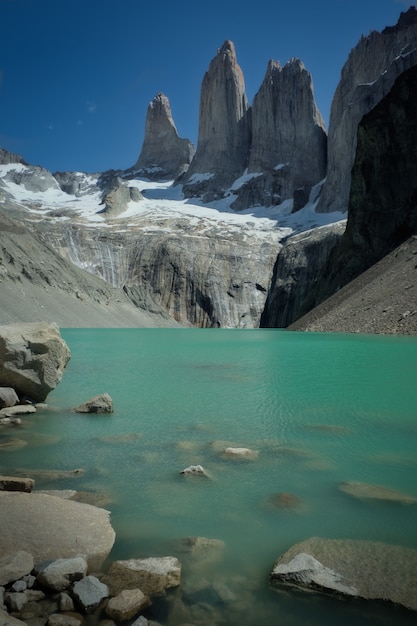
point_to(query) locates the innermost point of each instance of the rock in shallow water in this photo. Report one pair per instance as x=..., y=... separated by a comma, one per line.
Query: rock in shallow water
x=365, y=569
x=366, y=491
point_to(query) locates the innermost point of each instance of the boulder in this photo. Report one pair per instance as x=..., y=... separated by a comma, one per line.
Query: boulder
x=153, y=575
x=364, y=569
x=59, y=528
x=8, y=397
x=13, y=565
x=127, y=604
x=98, y=404
x=32, y=358
x=18, y=409
x=8, y=620
x=200, y=548
x=59, y=619
x=59, y=574
x=240, y=453
x=194, y=470
x=366, y=491
x=12, y=483
x=89, y=592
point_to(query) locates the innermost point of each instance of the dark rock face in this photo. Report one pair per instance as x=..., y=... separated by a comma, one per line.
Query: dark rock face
x=383, y=195
x=7, y=157
x=367, y=77
x=224, y=127
x=164, y=154
x=296, y=271
x=289, y=141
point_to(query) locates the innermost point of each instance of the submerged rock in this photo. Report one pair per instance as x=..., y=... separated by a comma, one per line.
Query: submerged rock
x=98, y=404
x=366, y=491
x=365, y=569
x=152, y=575
x=240, y=453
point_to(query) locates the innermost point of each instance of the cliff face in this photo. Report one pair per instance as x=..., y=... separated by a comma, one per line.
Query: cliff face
x=289, y=141
x=367, y=77
x=164, y=154
x=383, y=193
x=224, y=128
x=299, y=265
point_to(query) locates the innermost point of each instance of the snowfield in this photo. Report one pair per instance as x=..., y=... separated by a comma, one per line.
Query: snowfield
x=163, y=208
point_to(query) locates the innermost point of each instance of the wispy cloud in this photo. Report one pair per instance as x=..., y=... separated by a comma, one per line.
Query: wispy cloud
x=91, y=106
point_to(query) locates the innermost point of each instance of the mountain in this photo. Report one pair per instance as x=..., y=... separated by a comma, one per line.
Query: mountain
x=248, y=235
x=265, y=154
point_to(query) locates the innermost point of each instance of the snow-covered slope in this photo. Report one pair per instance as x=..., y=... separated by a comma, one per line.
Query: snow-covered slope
x=205, y=265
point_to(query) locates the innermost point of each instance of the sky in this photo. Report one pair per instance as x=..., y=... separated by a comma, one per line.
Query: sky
x=77, y=76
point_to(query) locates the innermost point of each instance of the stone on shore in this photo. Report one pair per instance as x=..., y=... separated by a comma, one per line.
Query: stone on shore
x=13, y=483
x=365, y=569
x=9, y=620
x=60, y=574
x=61, y=619
x=365, y=491
x=32, y=358
x=152, y=575
x=127, y=604
x=89, y=592
x=18, y=409
x=101, y=403
x=59, y=528
x=8, y=397
x=14, y=564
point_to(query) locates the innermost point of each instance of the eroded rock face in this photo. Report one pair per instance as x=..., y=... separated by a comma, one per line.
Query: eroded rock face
x=367, y=77
x=32, y=358
x=297, y=270
x=224, y=128
x=164, y=155
x=289, y=141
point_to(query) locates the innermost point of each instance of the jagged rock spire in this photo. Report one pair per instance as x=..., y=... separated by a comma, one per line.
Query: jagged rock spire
x=289, y=142
x=287, y=127
x=164, y=154
x=224, y=125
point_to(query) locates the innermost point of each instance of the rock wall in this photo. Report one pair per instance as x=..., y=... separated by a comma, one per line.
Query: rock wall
x=367, y=76
x=298, y=266
x=383, y=193
x=204, y=281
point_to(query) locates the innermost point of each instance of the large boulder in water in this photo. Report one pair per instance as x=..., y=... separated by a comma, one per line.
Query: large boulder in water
x=32, y=358
x=54, y=528
x=370, y=570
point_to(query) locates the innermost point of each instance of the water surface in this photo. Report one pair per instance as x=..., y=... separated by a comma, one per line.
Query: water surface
x=320, y=409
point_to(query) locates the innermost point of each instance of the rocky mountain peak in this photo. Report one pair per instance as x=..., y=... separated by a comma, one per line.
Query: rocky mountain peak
x=289, y=142
x=224, y=127
x=164, y=154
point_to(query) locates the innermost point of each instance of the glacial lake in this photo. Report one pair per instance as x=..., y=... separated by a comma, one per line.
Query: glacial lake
x=319, y=409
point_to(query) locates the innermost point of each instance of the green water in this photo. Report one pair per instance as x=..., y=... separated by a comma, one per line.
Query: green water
x=319, y=409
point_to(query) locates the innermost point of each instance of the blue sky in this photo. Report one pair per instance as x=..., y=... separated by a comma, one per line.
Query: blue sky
x=76, y=76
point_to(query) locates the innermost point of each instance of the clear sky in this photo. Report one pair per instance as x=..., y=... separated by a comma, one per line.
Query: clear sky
x=76, y=76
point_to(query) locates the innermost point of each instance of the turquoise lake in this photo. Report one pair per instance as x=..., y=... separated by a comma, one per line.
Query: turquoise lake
x=320, y=409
